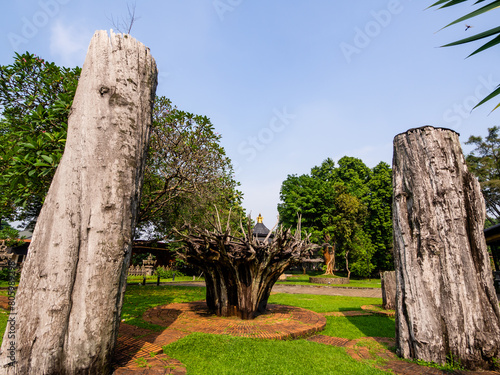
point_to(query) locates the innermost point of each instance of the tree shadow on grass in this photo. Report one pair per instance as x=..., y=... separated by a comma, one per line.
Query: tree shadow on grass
x=354, y=327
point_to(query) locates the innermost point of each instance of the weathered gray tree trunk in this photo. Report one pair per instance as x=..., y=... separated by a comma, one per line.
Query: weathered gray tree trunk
x=446, y=304
x=388, y=281
x=70, y=295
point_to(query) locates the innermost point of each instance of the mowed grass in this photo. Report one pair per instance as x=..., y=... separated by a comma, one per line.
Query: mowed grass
x=222, y=354
x=4, y=315
x=355, y=327
x=140, y=298
x=205, y=354
x=321, y=303
x=352, y=327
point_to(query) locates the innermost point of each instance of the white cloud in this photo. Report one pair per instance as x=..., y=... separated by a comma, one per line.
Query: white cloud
x=69, y=43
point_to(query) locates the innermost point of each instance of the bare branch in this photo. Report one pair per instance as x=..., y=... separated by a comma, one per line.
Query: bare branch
x=124, y=25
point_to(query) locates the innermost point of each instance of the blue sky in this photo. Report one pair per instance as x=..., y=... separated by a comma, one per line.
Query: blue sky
x=287, y=83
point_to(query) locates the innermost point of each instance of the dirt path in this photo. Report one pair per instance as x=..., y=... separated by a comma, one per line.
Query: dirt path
x=312, y=289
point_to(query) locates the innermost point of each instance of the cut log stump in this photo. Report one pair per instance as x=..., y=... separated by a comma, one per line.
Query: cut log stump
x=446, y=304
x=68, y=305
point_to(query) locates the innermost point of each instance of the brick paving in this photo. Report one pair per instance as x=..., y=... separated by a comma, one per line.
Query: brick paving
x=138, y=350
x=313, y=289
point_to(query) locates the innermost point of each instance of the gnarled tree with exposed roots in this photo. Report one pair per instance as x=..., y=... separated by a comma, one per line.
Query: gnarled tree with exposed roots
x=240, y=271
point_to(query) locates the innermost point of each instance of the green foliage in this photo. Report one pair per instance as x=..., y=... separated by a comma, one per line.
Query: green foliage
x=484, y=163
x=495, y=32
x=187, y=173
x=451, y=364
x=167, y=273
x=10, y=236
x=36, y=98
x=378, y=224
x=6, y=273
x=187, y=170
x=349, y=206
x=138, y=299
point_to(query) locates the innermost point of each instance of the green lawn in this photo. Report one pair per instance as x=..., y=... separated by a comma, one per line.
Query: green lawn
x=220, y=354
x=352, y=327
x=205, y=354
x=239, y=355
x=140, y=298
x=320, y=303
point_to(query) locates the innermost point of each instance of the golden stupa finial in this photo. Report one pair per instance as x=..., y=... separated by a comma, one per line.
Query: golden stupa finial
x=259, y=219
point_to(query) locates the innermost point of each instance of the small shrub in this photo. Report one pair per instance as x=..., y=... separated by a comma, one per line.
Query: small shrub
x=167, y=272
x=5, y=274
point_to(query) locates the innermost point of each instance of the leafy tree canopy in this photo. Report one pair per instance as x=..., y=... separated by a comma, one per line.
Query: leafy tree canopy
x=484, y=162
x=36, y=98
x=348, y=206
x=187, y=175
x=187, y=171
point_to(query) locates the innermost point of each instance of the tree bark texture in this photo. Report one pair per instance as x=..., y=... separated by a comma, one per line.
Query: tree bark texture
x=388, y=285
x=70, y=295
x=240, y=272
x=446, y=304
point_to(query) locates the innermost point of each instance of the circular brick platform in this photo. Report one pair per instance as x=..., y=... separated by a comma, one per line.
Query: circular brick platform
x=279, y=322
x=139, y=350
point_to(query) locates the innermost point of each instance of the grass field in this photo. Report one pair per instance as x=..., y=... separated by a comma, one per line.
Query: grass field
x=205, y=354
x=219, y=354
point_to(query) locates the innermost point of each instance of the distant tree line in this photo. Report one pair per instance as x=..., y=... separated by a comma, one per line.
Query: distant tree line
x=347, y=208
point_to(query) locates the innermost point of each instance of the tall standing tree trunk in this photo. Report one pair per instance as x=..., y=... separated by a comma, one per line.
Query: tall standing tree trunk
x=68, y=305
x=388, y=285
x=446, y=303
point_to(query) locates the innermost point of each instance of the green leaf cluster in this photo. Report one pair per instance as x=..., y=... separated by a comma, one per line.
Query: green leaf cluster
x=36, y=98
x=187, y=174
x=484, y=163
x=348, y=206
x=494, y=32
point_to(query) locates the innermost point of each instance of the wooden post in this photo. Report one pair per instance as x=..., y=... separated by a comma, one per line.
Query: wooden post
x=388, y=285
x=446, y=303
x=70, y=295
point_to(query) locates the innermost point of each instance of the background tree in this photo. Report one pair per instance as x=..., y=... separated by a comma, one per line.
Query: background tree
x=483, y=8
x=335, y=204
x=484, y=163
x=36, y=98
x=187, y=173
x=378, y=224
x=187, y=170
